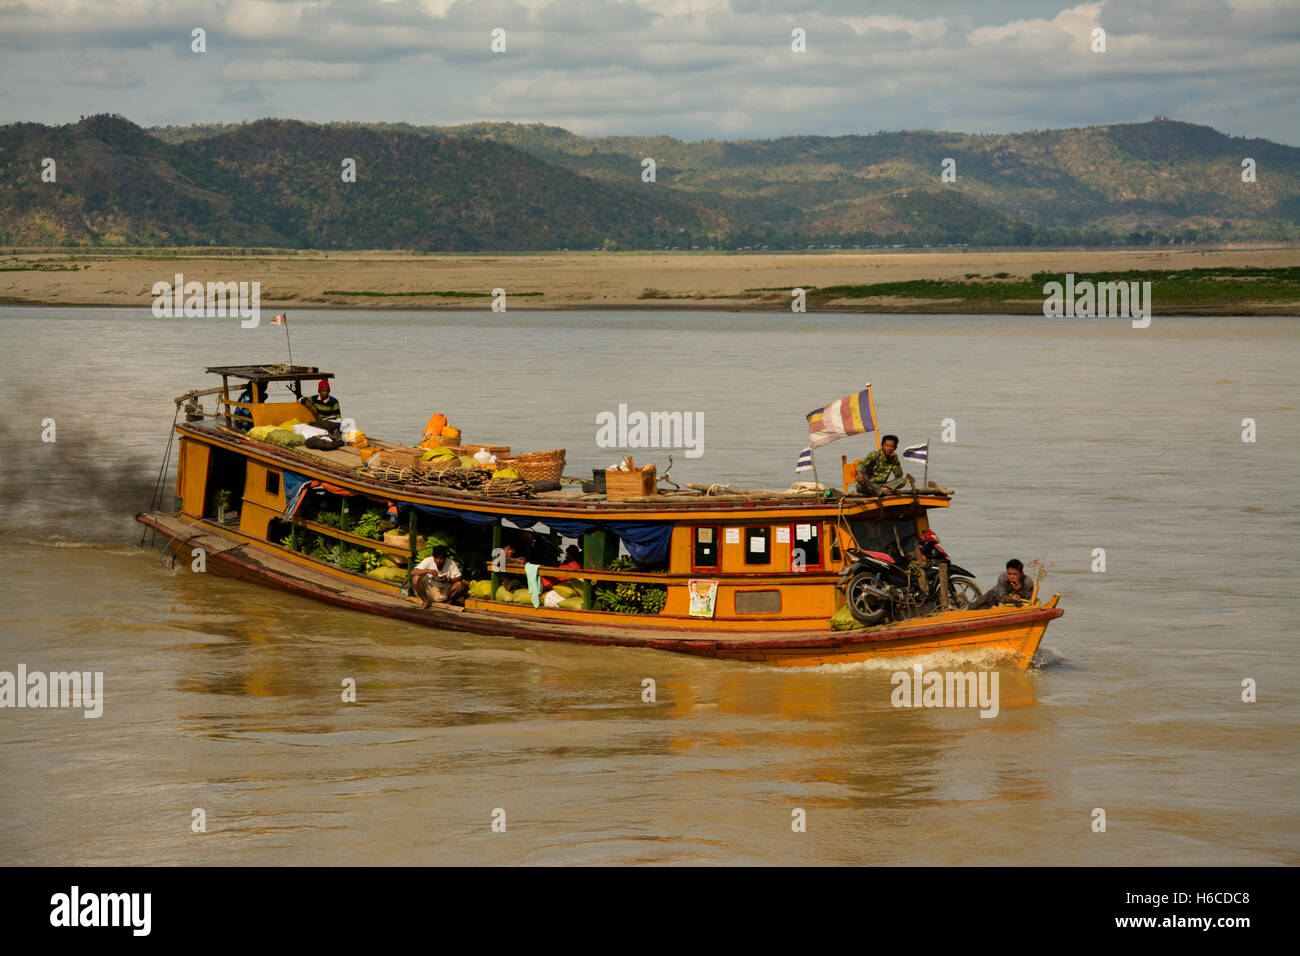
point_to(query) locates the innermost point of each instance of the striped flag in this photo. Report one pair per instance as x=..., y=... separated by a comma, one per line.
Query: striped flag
x=919, y=453
x=839, y=419
x=278, y=319
x=805, y=461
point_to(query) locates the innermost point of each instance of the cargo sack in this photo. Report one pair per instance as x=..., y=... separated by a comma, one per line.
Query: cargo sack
x=480, y=589
x=259, y=432
x=522, y=596
x=843, y=620
x=325, y=442
x=391, y=575
x=566, y=590
x=282, y=436
x=572, y=604
x=504, y=595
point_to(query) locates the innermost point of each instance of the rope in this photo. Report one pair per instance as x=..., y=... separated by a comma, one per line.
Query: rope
x=156, y=501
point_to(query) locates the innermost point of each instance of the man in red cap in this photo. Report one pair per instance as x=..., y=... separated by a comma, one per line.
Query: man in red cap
x=325, y=407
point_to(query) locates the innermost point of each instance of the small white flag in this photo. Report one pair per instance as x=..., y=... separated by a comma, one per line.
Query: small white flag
x=805, y=461
x=919, y=453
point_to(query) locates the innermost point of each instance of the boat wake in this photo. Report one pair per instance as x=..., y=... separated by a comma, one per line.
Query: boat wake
x=988, y=658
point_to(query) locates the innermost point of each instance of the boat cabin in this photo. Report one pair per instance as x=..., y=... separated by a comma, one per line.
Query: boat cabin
x=369, y=511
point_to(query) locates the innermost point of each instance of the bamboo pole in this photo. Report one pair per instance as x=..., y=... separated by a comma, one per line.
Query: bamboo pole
x=411, y=550
x=875, y=423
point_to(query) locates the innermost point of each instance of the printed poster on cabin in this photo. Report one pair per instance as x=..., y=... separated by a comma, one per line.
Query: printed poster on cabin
x=704, y=597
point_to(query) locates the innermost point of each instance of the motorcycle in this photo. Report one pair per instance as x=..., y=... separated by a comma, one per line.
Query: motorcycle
x=962, y=588
x=880, y=586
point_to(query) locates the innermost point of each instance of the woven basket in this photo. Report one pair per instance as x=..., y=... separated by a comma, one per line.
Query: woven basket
x=395, y=539
x=536, y=465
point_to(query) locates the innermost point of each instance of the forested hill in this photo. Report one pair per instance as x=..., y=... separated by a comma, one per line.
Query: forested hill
x=503, y=186
x=280, y=183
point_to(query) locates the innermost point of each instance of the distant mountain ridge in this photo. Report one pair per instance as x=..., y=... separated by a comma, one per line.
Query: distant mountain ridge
x=532, y=187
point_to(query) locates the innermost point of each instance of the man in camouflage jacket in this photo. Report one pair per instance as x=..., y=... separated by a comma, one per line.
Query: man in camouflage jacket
x=881, y=471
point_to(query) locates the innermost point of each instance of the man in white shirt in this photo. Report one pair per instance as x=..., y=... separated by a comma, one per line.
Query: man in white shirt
x=437, y=579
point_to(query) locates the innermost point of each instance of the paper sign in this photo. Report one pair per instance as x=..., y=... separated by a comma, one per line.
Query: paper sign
x=733, y=536
x=706, y=536
x=757, y=545
x=782, y=535
x=804, y=531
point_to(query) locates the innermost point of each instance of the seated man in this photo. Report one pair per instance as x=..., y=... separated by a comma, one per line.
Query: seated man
x=511, y=551
x=325, y=407
x=572, y=562
x=438, y=579
x=243, y=418
x=881, y=470
x=1013, y=587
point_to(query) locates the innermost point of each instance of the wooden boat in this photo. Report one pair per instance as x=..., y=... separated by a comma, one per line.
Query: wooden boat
x=748, y=576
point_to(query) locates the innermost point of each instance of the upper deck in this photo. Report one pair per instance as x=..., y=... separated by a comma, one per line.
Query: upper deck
x=345, y=467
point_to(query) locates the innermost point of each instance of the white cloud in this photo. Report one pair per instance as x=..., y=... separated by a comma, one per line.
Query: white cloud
x=691, y=68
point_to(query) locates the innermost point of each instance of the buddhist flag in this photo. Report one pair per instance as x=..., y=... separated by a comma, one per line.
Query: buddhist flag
x=278, y=319
x=917, y=453
x=805, y=461
x=839, y=419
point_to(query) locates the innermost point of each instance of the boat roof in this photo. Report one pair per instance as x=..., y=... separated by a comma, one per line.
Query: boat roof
x=271, y=372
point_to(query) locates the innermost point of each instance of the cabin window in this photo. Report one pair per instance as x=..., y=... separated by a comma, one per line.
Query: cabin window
x=758, y=545
x=758, y=602
x=272, y=482
x=887, y=535
x=808, y=539
x=706, y=547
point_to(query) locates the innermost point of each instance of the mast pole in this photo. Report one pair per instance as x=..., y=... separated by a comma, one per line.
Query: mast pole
x=875, y=425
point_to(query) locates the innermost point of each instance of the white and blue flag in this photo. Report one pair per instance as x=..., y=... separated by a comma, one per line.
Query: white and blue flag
x=917, y=453
x=805, y=461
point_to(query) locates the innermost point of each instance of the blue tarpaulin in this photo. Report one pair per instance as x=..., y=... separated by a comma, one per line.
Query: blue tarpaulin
x=646, y=541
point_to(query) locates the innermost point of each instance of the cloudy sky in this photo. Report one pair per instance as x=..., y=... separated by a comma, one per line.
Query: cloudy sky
x=695, y=69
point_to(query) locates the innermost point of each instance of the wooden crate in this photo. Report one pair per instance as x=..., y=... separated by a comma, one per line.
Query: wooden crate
x=399, y=457
x=501, y=451
x=629, y=484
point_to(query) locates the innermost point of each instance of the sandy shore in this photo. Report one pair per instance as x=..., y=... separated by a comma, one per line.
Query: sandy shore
x=589, y=279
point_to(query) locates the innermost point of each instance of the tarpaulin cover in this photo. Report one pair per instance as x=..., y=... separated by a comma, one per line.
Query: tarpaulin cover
x=646, y=541
x=296, y=487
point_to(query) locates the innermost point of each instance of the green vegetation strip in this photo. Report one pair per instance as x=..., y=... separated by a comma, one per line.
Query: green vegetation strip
x=449, y=294
x=1181, y=286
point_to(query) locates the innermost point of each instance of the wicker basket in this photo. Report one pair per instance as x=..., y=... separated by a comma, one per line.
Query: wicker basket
x=536, y=465
x=395, y=539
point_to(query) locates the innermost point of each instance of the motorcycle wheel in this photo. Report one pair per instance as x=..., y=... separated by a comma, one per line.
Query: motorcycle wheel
x=964, y=592
x=865, y=607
